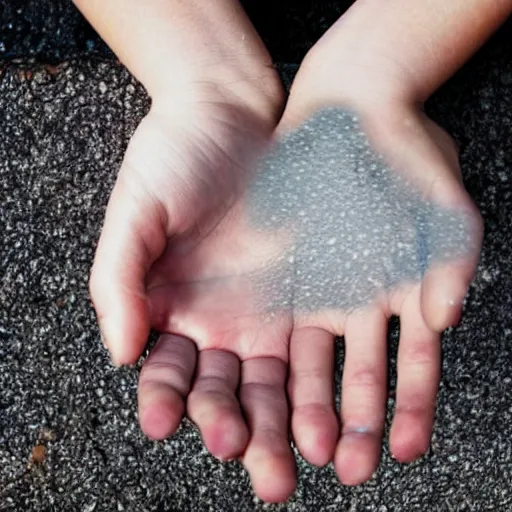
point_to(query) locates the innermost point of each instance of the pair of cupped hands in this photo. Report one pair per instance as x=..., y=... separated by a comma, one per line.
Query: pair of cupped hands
x=179, y=254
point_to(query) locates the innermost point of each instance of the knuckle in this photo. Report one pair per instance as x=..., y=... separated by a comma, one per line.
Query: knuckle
x=420, y=353
x=415, y=405
x=368, y=377
x=211, y=385
x=310, y=374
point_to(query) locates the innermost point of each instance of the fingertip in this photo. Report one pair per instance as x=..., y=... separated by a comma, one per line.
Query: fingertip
x=409, y=440
x=226, y=438
x=273, y=476
x=441, y=317
x=125, y=335
x=442, y=297
x=315, y=432
x=161, y=409
x=357, y=457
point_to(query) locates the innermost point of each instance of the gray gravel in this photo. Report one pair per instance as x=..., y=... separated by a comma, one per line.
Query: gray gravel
x=371, y=232
x=62, y=136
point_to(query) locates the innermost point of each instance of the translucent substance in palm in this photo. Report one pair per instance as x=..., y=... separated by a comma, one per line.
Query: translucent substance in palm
x=352, y=226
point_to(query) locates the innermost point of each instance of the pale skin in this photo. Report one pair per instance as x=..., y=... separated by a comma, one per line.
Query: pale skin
x=215, y=101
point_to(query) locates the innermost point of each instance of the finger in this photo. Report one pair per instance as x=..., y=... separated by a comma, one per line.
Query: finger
x=310, y=388
x=132, y=238
x=363, y=399
x=212, y=404
x=418, y=379
x=268, y=457
x=445, y=284
x=164, y=384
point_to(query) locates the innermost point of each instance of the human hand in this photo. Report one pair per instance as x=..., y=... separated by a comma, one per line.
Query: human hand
x=172, y=229
x=200, y=278
x=273, y=271
x=400, y=217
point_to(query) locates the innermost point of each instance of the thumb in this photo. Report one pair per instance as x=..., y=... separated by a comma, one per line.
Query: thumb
x=132, y=238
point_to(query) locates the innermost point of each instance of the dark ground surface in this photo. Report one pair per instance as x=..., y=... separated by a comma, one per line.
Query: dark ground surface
x=62, y=136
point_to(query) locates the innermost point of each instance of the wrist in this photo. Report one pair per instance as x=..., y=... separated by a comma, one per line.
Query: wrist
x=371, y=79
x=370, y=92
x=375, y=87
x=216, y=56
x=260, y=96
x=173, y=45
x=400, y=49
